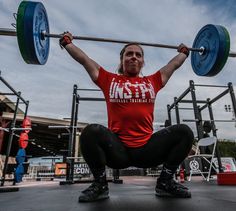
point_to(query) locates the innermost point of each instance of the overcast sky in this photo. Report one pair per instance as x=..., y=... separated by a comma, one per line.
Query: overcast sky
x=49, y=87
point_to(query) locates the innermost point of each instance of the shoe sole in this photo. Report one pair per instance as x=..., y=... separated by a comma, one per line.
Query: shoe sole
x=99, y=198
x=162, y=193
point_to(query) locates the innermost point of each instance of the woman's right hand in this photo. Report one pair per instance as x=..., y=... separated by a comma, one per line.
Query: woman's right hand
x=65, y=39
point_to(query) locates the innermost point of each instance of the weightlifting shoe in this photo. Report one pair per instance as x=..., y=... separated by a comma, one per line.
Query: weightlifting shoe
x=170, y=188
x=96, y=191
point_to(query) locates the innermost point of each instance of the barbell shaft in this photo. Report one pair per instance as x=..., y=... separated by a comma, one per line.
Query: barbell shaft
x=12, y=32
x=44, y=34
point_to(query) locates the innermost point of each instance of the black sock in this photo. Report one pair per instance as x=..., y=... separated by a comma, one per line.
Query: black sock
x=167, y=172
x=99, y=175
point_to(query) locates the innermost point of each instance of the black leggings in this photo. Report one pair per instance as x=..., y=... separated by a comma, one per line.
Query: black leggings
x=101, y=147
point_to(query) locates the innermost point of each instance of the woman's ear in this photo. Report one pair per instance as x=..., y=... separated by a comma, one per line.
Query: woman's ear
x=143, y=64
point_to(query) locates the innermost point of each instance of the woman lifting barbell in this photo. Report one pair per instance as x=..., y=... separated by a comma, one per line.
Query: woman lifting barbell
x=129, y=139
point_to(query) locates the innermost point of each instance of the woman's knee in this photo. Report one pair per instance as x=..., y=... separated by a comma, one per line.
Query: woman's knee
x=92, y=128
x=186, y=128
x=90, y=132
x=185, y=131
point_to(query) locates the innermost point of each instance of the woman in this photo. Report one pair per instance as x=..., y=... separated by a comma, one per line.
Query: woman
x=129, y=139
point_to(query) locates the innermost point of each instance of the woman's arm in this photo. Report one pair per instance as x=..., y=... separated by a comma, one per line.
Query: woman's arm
x=174, y=64
x=76, y=53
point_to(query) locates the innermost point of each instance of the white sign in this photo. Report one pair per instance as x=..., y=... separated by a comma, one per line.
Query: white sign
x=228, y=163
x=81, y=168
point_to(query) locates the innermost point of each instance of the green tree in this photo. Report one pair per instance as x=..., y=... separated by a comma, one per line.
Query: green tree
x=227, y=148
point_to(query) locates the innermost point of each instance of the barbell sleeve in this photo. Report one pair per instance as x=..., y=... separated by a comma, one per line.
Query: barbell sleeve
x=8, y=32
x=232, y=54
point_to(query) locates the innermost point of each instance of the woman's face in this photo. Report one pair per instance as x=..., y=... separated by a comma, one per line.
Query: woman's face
x=132, y=60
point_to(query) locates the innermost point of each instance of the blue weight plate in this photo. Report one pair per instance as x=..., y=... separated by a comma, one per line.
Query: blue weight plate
x=213, y=40
x=20, y=30
x=20, y=159
x=28, y=33
x=19, y=172
x=21, y=153
x=36, y=21
x=20, y=156
x=225, y=57
x=223, y=52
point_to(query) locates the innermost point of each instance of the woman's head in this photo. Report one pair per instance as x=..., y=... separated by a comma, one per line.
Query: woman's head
x=131, y=60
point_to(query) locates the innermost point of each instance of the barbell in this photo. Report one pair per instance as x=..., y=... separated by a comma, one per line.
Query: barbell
x=209, y=52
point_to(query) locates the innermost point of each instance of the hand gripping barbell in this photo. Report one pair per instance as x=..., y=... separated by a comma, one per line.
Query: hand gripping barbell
x=210, y=50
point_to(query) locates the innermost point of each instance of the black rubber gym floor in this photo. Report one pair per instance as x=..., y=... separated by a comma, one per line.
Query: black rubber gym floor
x=136, y=193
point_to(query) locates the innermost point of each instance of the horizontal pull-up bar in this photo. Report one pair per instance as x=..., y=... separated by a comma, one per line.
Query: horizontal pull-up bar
x=89, y=90
x=217, y=120
x=218, y=86
x=91, y=99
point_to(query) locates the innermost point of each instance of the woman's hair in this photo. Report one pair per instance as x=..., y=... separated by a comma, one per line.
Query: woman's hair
x=120, y=67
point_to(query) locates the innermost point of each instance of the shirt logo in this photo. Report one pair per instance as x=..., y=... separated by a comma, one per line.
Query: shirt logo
x=125, y=91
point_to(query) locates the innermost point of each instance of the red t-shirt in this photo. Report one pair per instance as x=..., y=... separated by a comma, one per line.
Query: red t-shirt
x=130, y=105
